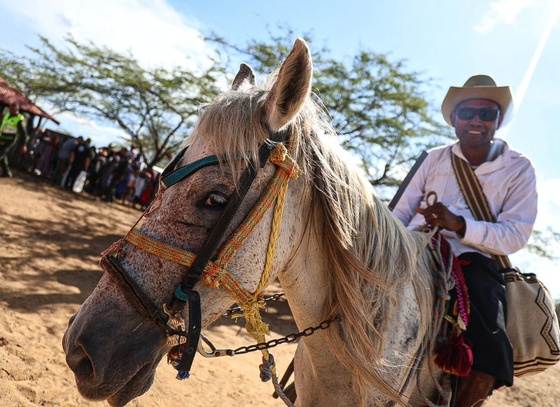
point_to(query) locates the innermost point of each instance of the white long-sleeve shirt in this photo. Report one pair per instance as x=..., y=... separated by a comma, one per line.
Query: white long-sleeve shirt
x=509, y=183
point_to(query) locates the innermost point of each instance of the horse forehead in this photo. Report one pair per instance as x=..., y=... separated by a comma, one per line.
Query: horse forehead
x=198, y=150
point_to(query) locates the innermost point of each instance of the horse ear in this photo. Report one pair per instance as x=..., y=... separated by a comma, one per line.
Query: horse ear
x=291, y=89
x=245, y=75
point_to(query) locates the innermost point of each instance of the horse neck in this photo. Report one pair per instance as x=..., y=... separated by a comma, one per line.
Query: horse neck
x=305, y=284
x=317, y=370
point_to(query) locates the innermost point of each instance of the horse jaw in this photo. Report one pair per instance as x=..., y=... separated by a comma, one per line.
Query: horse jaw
x=291, y=89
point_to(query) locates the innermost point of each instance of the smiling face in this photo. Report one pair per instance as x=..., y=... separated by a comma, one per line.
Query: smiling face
x=475, y=133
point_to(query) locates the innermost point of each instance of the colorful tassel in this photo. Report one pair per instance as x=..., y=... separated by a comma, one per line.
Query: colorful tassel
x=455, y=357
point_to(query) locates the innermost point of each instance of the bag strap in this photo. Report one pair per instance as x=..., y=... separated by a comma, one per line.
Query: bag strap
x=476, y=200
x=407, y=180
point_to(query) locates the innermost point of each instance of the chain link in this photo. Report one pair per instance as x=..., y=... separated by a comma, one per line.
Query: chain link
x=286, y=339
x=235, y=310
x=238, y=311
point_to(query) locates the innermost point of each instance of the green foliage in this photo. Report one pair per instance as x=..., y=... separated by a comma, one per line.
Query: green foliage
x=542, y=242
x=15, y=70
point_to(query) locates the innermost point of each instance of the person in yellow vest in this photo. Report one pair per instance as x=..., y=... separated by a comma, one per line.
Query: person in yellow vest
x=10, y=128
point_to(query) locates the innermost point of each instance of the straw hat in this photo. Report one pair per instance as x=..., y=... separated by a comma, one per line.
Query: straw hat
x=478, y=87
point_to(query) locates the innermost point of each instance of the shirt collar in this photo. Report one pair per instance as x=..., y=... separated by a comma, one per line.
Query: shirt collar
x=499, y=162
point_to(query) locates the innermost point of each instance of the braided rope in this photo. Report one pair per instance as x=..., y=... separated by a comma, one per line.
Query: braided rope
x=254, y=324
x=287, y=169
x=239, y=237
x=274, y=234
x=443, y=285
x=268, y=371
x=160, y=249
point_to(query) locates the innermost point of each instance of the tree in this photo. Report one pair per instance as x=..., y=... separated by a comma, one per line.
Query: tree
x=156, y=107
x=542, y=242
x=379, y=109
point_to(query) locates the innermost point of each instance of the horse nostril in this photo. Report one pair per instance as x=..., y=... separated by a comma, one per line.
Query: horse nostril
x=80, y=363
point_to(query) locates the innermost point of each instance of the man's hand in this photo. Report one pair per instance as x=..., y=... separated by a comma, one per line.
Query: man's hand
x=438, y=215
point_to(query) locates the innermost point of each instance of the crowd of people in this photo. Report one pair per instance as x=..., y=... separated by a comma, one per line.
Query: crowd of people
x=74, y=164
x=109, y=173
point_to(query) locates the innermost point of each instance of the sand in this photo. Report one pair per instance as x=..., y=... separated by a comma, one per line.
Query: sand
x=50, y=241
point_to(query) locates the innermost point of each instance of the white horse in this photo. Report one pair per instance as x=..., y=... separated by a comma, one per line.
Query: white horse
x=338, y=252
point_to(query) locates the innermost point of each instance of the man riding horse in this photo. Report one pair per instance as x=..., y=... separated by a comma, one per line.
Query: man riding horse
x=476, y=111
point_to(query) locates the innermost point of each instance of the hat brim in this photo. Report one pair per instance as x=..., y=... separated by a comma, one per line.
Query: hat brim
x=499, y=94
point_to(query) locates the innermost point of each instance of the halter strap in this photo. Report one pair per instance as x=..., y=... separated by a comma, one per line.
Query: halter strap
x=181, y=173
x=215, y=274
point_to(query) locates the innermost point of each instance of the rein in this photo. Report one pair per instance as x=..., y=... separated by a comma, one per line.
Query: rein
x=212, y=273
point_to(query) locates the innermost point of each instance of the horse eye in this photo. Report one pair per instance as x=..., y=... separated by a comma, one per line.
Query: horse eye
x=215, y=199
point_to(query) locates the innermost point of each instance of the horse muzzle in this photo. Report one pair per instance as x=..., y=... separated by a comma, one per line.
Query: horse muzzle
x=106, y=366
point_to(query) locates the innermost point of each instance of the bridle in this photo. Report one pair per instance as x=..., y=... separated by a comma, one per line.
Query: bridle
x=206, y=265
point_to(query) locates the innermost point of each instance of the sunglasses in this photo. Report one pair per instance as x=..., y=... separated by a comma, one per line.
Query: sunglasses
x=485, y=114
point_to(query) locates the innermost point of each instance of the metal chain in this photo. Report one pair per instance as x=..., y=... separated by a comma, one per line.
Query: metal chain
x=286, y=339
x=240, y=310
x=236, y=310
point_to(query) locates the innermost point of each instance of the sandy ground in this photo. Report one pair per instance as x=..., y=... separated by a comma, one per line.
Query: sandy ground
x=50, y=242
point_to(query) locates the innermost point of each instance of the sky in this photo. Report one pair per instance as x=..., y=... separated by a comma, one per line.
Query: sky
x=517, y=42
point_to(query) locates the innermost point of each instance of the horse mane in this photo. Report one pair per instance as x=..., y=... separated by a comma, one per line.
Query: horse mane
x=372, y=255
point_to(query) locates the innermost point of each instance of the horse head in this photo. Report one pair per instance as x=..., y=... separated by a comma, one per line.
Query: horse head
x=119, y=335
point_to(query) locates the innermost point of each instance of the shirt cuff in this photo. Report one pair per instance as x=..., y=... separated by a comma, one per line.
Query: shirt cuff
x=473, y=231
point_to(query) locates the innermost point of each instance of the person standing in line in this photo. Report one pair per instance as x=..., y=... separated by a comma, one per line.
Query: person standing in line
x=63, y=159
x=507, y=177
x=118, y=175
x=79, y=161
x=45, y=160
x=11, y=128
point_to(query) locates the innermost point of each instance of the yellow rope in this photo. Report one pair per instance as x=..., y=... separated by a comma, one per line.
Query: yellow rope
x=254, y=324
x=274, y=235
x=253, y=320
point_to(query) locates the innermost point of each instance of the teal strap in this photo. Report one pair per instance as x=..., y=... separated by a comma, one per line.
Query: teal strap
x=179, y=293
x=181, y=173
